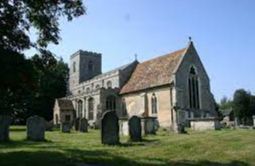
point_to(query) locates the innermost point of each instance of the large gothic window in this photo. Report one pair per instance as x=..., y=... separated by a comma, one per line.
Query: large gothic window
x=193, y=89
x=111, y=103
x=91, y=108
x=79, y=108
x=154, y=104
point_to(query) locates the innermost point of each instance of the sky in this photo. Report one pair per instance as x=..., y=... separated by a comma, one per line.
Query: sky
x=223, y=32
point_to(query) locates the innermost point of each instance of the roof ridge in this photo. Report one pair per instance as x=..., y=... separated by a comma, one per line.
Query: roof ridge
x=162, y=56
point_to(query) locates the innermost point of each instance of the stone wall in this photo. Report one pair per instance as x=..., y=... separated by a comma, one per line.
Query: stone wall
x=140, y=103
x=205, y=124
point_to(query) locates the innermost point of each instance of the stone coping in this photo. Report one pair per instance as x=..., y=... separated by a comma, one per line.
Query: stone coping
x=204, y=119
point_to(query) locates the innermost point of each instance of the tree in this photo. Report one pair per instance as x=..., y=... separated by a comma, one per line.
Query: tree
x=225, y=103
x=17, y=17
x=241, y=105
x=52, y=83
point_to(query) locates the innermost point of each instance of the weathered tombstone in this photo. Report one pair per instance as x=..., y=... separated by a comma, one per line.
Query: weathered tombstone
x=83, y=127
x=181, y=121
x=135, y=131
x=5, y=122
x=35, y=128
x=110, y=128
x=253, y=120
x=77, y=124
x=150, y=125
x=66, y=127
x=123, y=124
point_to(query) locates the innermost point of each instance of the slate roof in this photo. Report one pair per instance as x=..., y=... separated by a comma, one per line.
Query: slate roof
x=154, y=72
x=65, y=104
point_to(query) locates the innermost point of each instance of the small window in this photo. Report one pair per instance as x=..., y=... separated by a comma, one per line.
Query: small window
x=87, y=90
x=97, y=86
x=90, y=66
x=67, y=118
x=109, y=84
x=154, y=104
x=74, y=67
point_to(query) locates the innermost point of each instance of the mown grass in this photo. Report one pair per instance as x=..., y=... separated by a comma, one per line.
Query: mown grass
x=224, y=147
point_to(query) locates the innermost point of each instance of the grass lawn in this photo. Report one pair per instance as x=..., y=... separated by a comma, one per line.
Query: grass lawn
x=224, y=147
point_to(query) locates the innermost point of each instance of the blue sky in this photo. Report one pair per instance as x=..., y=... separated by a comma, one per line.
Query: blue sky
x=223, y=32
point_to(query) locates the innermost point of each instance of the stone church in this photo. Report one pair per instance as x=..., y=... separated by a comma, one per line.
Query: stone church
x=154, y=88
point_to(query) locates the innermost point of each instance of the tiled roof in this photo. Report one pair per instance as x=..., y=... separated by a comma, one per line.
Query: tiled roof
x=65, y=104
x=153, y=73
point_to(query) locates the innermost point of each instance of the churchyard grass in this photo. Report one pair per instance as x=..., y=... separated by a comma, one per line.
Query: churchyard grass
x=223, y=147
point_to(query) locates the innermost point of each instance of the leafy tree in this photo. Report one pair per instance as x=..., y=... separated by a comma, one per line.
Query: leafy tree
x=225, y=103
x=52, y=83
x=241, y=105
x=17, y=17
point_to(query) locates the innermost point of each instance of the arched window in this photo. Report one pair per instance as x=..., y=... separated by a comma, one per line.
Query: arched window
x=154, y=104
x=91, y=108
x=90, y=66
x=80, y=108
x=97, y=86
x=109, y=84
x=193, y=89
x=56, y=118
x=74, y=67
x=87, y=90
x=111, y=103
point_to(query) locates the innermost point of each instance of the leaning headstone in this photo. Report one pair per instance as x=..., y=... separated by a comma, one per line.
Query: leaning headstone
x=150, y=125
x=110, y=128
x=77, y=124
x=35, y=128
x=5, y=122
x=83, y=127
x=66, y=127
x=135, y=131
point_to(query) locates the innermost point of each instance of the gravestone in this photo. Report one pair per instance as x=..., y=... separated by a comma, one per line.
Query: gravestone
x=66, y=127
x=181, y=121
x=35, y=128
x=110, y=128
x=83, y=125
x=135, y=131
x=123, y=124
x=150, y=125
x=253, y=120
x=77, y=124
x=5, y=122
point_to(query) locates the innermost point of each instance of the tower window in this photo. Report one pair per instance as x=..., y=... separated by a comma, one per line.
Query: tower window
x=90, y=66
x=154, y=104
x=193, y=89
x=74, y=67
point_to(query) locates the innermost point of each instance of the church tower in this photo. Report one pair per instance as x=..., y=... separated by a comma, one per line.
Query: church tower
x=83, y=66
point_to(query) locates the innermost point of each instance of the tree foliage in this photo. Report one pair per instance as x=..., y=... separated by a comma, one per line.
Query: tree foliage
x=28, y=86
x=18, y=16
x=243, y=105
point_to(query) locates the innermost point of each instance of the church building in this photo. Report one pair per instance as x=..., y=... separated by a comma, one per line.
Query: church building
x=154, y=88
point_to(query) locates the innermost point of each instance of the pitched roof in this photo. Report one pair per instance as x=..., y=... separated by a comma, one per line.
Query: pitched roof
x=65, y=104
x=153, y=73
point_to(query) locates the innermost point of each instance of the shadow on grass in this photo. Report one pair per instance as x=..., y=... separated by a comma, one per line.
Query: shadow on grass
x=23, y=143
x=93, y=158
